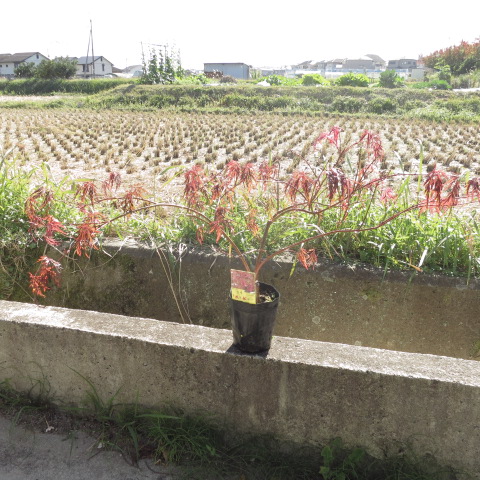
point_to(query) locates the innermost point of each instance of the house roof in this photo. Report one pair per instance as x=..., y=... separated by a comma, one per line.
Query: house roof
x=375, y=58
x=403, y=60
x=225, y=63
x=83, y=60
x=18, y=57
x=132, y=68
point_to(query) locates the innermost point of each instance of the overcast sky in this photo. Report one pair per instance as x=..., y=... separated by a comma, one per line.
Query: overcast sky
x=256, y=32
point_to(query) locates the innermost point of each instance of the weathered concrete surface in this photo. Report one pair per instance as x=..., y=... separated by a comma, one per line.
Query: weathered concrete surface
x=302, y=391
x=356, y=306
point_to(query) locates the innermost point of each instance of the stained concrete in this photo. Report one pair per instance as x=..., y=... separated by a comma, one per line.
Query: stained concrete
x=302, y=391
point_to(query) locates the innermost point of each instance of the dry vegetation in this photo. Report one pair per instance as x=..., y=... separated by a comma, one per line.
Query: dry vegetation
x=140, y=145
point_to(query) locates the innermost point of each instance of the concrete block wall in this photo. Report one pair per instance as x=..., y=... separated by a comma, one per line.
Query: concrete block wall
x=303, y=391
x=358, y=305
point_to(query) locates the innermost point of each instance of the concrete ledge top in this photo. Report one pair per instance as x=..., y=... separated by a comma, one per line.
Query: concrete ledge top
x=288, y=350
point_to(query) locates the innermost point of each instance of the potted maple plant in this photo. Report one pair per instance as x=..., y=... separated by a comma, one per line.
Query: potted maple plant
x=245, y=204
x=257, y=199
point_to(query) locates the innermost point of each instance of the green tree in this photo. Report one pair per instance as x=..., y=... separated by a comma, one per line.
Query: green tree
x=45, y=70
x=313, y=79
x=353, y=80
x=444, y=71
x=59, y=68
x=64, y=67
x=274, y=80
x=390, y=79
x=25, y=70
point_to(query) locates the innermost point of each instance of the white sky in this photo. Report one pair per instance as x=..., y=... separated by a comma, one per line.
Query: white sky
x=256, y=32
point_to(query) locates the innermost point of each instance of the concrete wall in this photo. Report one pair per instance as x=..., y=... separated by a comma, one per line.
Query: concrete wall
x=357, y=306
x=302, y=391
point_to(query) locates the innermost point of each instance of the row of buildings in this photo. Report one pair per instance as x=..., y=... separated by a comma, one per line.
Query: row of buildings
x=371, y=65
x=365, y=64
x=97, y=66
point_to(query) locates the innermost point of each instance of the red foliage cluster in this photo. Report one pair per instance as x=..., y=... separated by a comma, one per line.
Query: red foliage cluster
x=44, y=227
x=461, y=58
x=436, y=184
x=308, y=258
x=473, y=189
x=48, y=272
x=87, y=232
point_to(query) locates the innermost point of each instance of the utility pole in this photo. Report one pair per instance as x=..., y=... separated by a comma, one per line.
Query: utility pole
x=90, y=42
x=93, y=54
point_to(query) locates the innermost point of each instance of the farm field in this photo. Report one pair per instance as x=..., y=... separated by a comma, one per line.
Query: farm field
x=140, y=145
x=150, y=149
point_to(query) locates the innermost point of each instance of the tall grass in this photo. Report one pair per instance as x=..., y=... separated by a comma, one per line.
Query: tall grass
x=416, y=241
x=18, y=247
x=14, y=188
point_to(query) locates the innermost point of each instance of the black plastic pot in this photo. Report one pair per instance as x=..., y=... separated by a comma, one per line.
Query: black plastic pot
x=252, y=325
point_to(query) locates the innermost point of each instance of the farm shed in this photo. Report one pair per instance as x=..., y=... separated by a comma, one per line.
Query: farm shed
x=236, y=70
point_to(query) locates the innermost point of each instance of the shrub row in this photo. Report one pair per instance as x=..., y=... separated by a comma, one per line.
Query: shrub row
x=34, y=86
x=248, y=98
x=437, y=105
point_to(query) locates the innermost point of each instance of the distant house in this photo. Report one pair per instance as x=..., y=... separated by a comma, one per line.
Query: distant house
x=306, y=65
x=335, y=65
x=133, y=71
x=358, y=64
x=236, y=70
x=377, y=60
x=89, y=67
x=366, y=64
x=9, y=62
x=310, y=65
x=402, y=64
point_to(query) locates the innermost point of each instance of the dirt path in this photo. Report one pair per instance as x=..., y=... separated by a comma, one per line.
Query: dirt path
x=29, y=98
x=30, y=455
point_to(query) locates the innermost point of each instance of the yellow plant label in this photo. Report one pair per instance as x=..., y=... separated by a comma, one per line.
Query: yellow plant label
x=243, y=286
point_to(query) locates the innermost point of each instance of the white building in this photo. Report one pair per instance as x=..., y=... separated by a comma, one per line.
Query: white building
x=89, y=67
x=9, y=62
